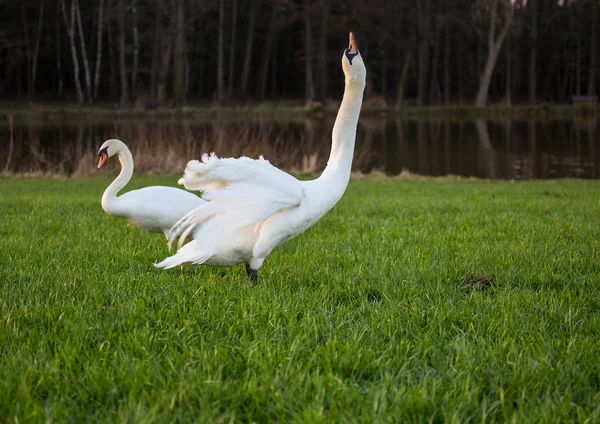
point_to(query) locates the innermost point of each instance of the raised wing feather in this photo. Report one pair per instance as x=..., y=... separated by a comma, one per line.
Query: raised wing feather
x=217, y=177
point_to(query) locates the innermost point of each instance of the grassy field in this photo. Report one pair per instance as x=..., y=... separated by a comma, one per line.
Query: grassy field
x=366, y=317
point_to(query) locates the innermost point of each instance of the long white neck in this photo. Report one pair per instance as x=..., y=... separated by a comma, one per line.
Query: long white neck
x=339, y=165
x=109, y=198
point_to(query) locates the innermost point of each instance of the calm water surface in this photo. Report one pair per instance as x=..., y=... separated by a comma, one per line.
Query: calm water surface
x=502, y=150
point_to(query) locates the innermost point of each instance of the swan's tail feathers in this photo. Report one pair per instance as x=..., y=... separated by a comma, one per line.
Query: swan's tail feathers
x=188, y=254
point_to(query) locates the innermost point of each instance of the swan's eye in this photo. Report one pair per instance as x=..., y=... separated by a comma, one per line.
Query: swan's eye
x=103, y=152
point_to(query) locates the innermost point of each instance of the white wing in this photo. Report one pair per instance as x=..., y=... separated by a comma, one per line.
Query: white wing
x=241, y=192
x=216, y=177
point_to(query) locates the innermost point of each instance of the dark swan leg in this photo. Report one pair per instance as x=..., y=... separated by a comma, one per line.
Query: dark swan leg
x=253, y=274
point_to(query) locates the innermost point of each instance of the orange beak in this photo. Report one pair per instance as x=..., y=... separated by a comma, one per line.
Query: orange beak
x=103, y=157
x=352, y=46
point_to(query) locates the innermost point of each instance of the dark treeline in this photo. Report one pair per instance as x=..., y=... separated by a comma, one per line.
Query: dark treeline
x=423, y=52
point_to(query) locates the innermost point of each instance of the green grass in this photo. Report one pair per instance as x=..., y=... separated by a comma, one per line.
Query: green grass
x=363, y=318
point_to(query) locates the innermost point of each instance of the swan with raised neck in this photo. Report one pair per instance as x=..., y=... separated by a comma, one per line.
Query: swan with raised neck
x=252, y=206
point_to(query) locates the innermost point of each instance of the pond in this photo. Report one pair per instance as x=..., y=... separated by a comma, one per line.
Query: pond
x=487, y=149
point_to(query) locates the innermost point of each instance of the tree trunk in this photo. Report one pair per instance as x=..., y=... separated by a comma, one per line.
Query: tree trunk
x=494, y=46
x=516, y=52
x=71, y=31
x=112, y=82
x=179, y=58
x=58, y=58
x=550, y=71
x=593, y=50
x=99, y=49
x=136, y=50
x=402, y=82
x=156, y=50
x=322, y=59
x=248, y=50
x=28, y=51
x=447, y=65
x=266, y=57
x=434, y=85
x=563, y=85
x=167, y=49
x=508, y=95
x=220, y=87
x=86, y=68
x=533, y=52
x=384, y=72
x=122, y=47
x=460, y=71
x=37, y=49
x=309, y=89
x=232, y=49
x=273, y=80
x=423, y=23
x=578, y=66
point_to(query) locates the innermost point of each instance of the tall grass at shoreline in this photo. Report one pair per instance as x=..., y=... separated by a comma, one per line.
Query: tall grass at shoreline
x=511, y=150
x=166, y=148
x=369, y=316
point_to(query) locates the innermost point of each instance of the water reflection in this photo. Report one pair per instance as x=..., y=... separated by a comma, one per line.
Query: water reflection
x=505, y=150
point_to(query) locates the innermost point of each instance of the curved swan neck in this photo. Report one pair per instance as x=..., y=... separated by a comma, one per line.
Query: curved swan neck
x=344, y=132
x=110, y=194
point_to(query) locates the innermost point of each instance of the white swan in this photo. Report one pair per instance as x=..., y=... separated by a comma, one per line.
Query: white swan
x=155, y=209
x=253, y=206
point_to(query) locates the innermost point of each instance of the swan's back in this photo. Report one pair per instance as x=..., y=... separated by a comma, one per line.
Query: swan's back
x=157, y=208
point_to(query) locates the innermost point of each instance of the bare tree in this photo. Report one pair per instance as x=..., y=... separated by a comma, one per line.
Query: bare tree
x=86, y=68
x=58, y=57
x=122, y=46
x=447, y=52
x=156, y=49
x=508, y=73
x=593, y=50
x=136, y=49
x=494, y=42
x=259, y=45
x=232, y=49
x=532, y=4
x=220, y=53
x=248, y=49
x=27, y=50
x=70, y=24
x=322, y=59
x=99, y=49
x=266, y=57
x=402, y=80
x=309, y=89
x=434, y=86
x=423, y=35
x=36, y=51
x=165, y=54
x=179, y=60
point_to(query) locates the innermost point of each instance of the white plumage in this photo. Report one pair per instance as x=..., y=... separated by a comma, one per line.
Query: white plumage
x=156, y=208
x=253, y=206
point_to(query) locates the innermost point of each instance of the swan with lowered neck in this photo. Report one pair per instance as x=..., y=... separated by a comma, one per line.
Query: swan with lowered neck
x=156, y=208
x=254, y=207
